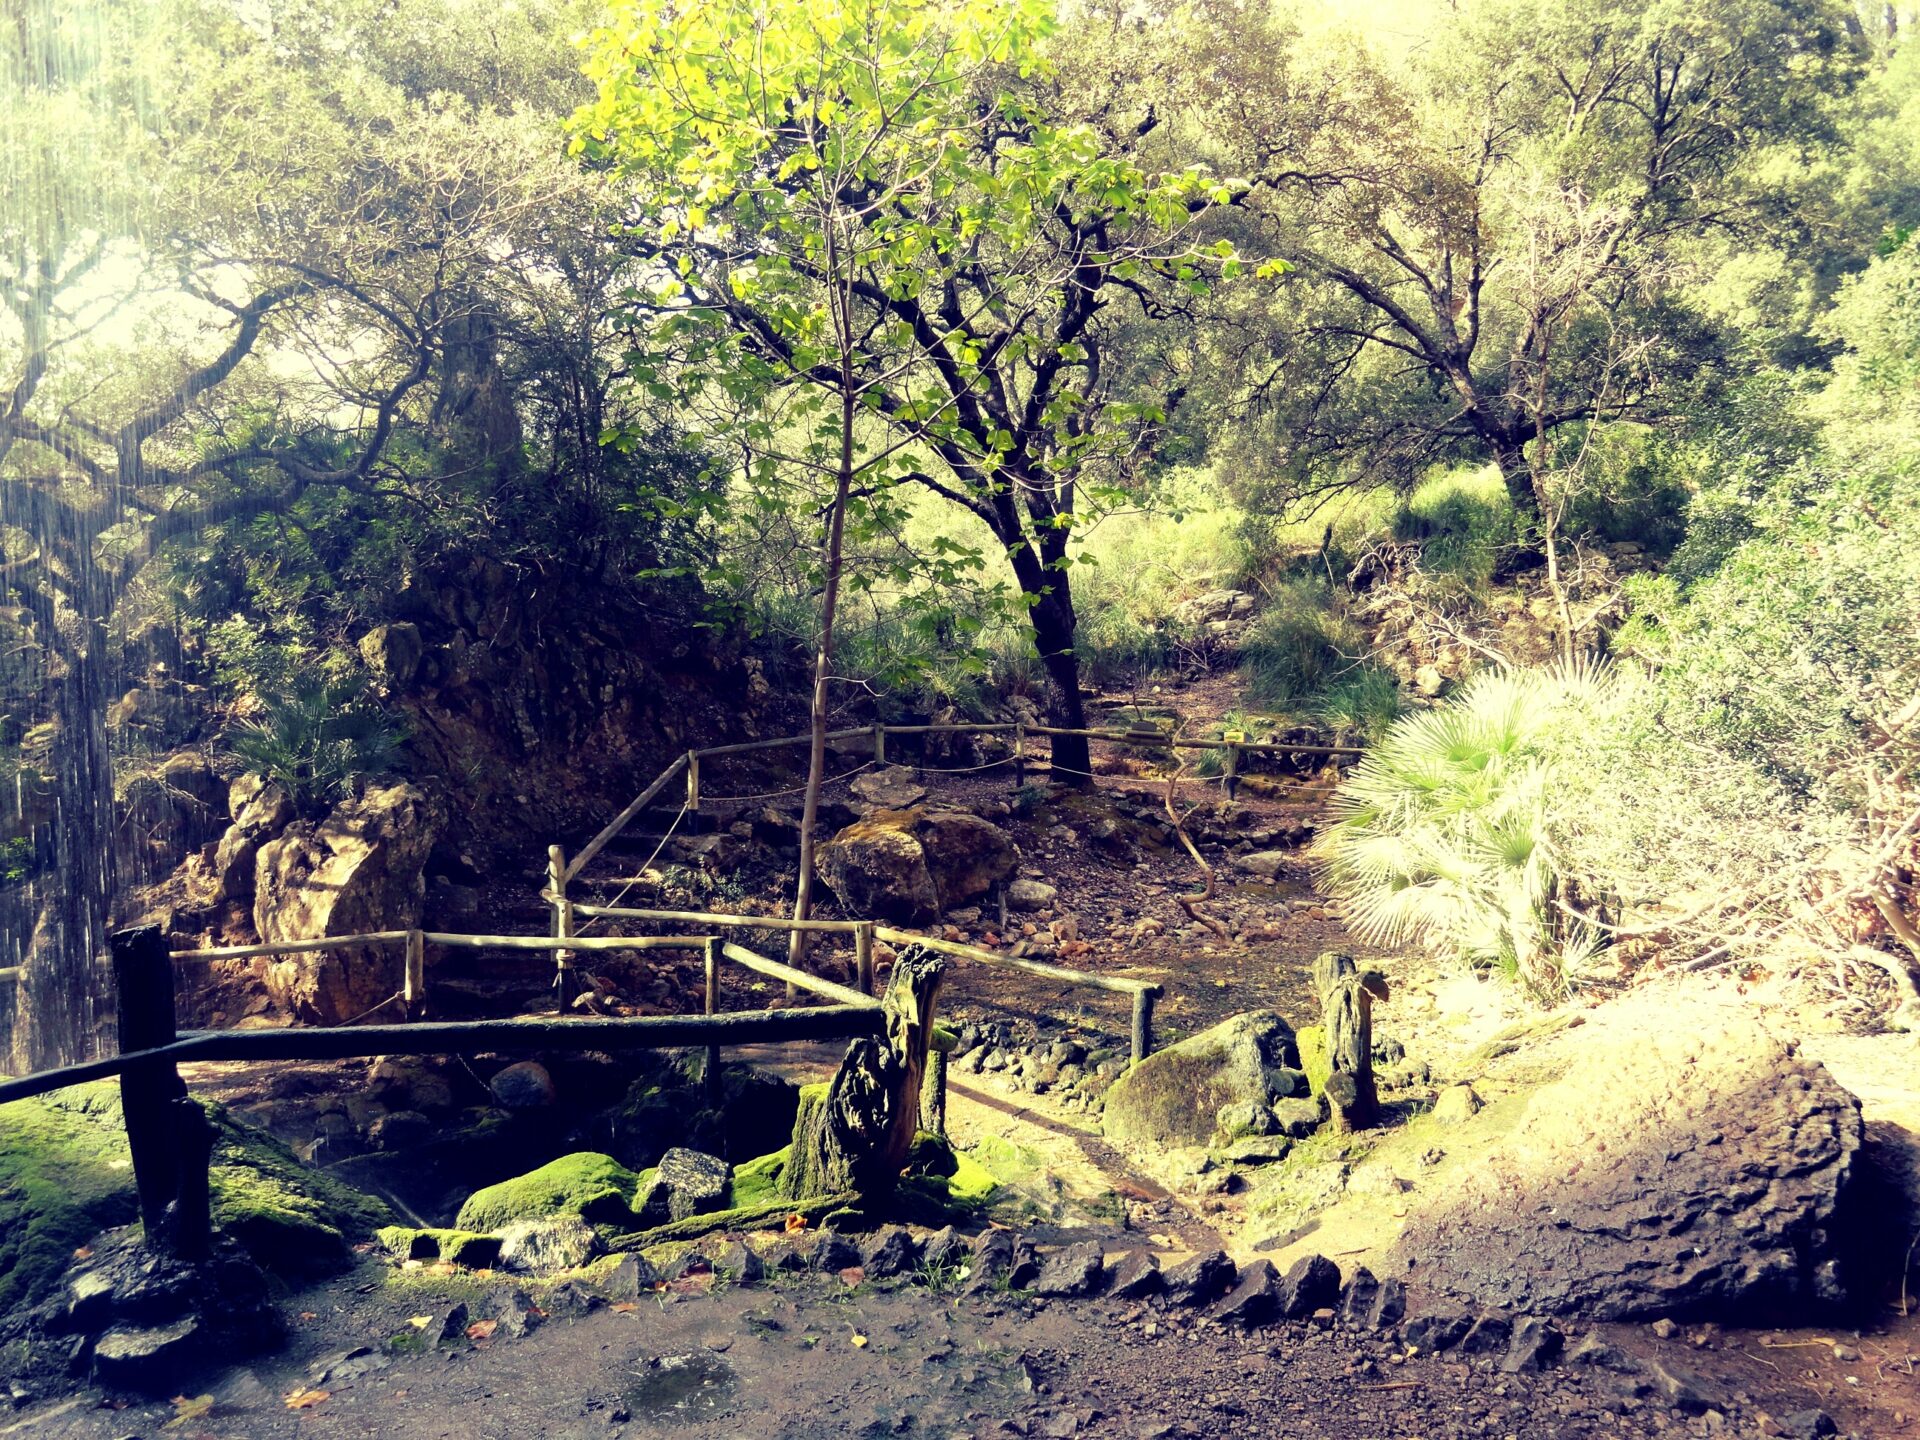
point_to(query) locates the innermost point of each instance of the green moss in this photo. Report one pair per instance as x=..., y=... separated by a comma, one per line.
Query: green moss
x=594, y=1186
x=457, y=1247
x=290, y=1217
x=971, y=1183
x=758, y=1181
x=66, y=1175
x=1313, y=1057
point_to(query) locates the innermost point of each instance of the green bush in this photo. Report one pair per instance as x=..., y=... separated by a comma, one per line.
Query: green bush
x=317, y=736
x=1298, y=647
x=1444, y=832
x=1362, y=702
x=1464, y=522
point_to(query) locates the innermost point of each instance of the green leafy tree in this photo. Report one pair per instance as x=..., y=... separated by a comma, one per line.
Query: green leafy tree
x=886, y=201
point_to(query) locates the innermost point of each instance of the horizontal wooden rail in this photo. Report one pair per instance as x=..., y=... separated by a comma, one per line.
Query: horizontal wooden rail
x=1118, y=984
x=743, y=747
x=799, y=979
x=980, y=728
x=473, y=1037
x=702, y=917
x=433, y=937
x=620, y=822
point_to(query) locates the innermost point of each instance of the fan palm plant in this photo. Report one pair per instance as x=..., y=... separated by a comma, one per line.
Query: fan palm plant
x=1444, y=832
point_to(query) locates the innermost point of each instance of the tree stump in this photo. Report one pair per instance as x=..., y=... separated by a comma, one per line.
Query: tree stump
x=1346, y=1002
x=856, y=1133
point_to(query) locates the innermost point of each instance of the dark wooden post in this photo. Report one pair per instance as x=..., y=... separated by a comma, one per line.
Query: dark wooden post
x=164, y=1143
x=863, y=956
x=712, y=1075
x=1019, y=755
x=1233, y=767
x=1346, y=1000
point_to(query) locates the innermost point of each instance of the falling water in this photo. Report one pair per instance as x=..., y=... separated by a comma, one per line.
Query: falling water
x=74, y=108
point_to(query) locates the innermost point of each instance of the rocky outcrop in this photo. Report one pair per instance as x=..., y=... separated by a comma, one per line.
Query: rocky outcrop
x=361, y=869
x=1186, y=1093
x=892, y=788
x=260, y=811
x=1691, y=1165
x=910, y=865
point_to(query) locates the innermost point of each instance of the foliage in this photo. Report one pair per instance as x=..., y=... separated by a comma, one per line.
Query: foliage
x=1444, y=832
x=1298, y=647
x=317, y=735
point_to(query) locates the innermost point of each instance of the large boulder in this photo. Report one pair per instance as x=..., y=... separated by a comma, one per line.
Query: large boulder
x=1690, y=1164
x=361, y=869
x=1176, y=1097
x=910, y=865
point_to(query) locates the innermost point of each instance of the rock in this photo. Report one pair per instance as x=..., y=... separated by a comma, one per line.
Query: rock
x=1137, y=1276
x=1264, y=863
x=1244, y=1118
x=586, y=1184
x=1680, y=1389
x=525, y=1085
x=1428, y=681
x=549, y=1245
x=685, y=1183
x=909, y=866
x=945, y=1250
x=1536, y=1344
x=1024, y=894
x=1257, y=1298
x=1357, y=1296
x=1490, y=1335
x=1594, y=1351
x=260, y=811
x=89, y=1302
x=1389, y=1305
x=1689, y=1163
x=393, y=653
x=1311, y=1283
x=833, y=1252
x=1436, y=1330
x=359, y=870
x=891, y=1251
x=1807, y=1425
x=1299, y=1118
x=738, y=1262
x=892, y=788
x=514, y=1312
x=400, y=1130
x=631, y=1278
x=1072, y=1272
x=1199, y=1279
x=448, y=1326
x=1174, y=1097
x=1456, y=1103
x=148, y=1357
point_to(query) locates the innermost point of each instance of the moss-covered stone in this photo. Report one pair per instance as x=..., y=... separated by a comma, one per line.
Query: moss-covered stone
x=66, y=1175
x=667, y=1106
x=595, y=1187
x=1174, y=1096
x=457, y=1247
x=758, y=1180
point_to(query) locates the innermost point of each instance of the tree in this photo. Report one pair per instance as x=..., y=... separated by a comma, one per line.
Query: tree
x=879, y=200
x=1491, y=236
x=156, y=247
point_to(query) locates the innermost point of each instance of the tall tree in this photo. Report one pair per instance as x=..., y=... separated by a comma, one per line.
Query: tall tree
x=1491, y=234
x=877, y=200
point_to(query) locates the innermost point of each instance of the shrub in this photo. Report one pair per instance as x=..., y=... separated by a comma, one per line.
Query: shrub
x=1464, y=522
x=1298, y=647
x=317, y=736
x=1444, y=832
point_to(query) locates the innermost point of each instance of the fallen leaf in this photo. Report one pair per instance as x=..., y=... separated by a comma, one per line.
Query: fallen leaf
x=625, y=1307
x=859, y=1341
x=84, y=1252
x=853, y=1275
x=305, y=1399
x=186, y=1408
x=309, y=1315
x=796, y=1222
x=481, y=1329
x=420, y=1322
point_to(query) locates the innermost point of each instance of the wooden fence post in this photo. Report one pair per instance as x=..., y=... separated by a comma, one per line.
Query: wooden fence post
x=1233, y=770
x=933, y=1093
x=565, y=979
x=1019, y=755
x=693, y=791
x=1346, y=995
x=164, y=1140
x=413, y=988
x=879, y=744
x=863, y=956
x=712, y=1073
x=1143, y=1021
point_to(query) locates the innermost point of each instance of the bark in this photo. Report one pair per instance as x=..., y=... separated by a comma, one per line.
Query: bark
x=1054, y=623
x=1346, y=997
x=857, y=1133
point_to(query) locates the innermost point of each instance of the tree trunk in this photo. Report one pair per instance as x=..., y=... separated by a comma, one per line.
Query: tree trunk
x=822, y=673
x=1346, y=999
x=1054, y=624
x=855, y=1135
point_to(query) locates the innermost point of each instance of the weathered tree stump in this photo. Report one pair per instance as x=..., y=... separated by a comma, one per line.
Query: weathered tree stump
x=856, y=1134
x=1346, y=1002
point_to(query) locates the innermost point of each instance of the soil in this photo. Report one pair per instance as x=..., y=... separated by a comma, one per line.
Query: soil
x=783, y=1360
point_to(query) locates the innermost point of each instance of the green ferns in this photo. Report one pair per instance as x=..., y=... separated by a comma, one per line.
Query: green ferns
x=1444, y=833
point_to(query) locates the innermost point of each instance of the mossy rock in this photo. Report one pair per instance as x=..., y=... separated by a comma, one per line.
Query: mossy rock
x=596, y=1187
x=66, y=1175
x=1174, y=1097
x=456, y=1247
x=667, y=1106
x=758, y=1180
